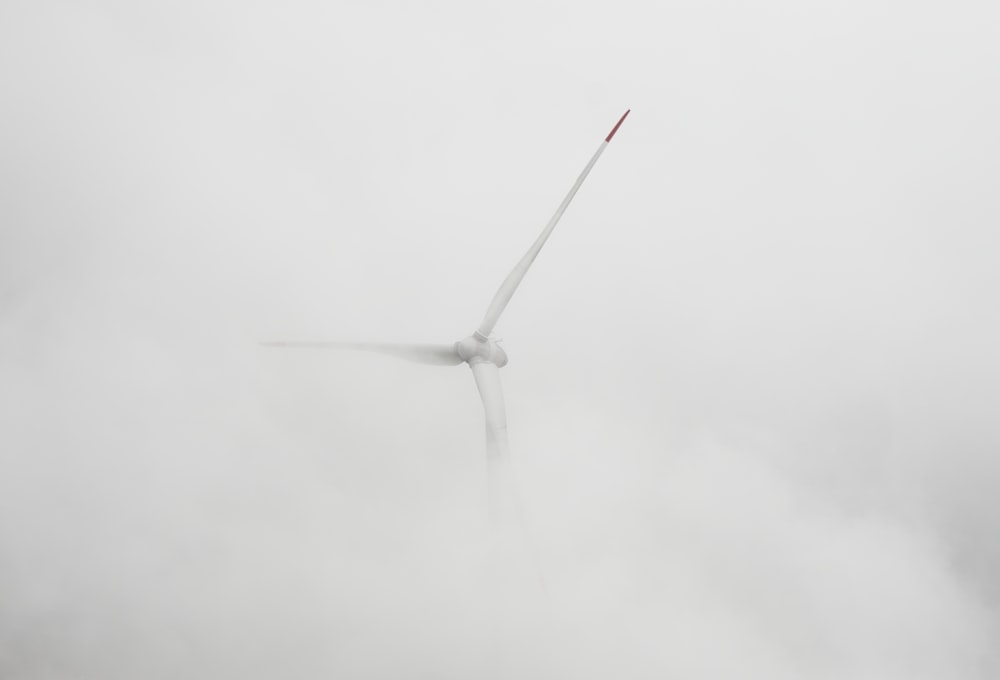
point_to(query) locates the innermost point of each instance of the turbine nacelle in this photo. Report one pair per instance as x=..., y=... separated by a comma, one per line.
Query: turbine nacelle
x=477, y=349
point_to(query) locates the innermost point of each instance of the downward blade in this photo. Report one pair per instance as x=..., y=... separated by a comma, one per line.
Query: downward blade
x=504, y=500
x=487, y=377
x=437, y=355
x=513, y=280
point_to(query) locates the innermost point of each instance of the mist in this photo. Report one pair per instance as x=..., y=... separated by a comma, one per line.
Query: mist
x=752, y=389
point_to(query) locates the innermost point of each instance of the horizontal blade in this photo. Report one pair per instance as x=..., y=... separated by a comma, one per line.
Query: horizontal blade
x=513, y=280
x=438, y=355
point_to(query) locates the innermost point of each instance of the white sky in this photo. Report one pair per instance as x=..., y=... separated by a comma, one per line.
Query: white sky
x=753, y=383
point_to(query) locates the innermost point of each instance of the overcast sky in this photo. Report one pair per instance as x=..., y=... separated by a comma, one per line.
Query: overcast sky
x=753, y=386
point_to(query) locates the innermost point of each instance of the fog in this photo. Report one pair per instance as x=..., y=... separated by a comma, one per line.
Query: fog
x=753, y=384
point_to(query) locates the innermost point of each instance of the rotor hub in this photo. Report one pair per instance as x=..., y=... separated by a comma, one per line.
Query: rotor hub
x=475, y=350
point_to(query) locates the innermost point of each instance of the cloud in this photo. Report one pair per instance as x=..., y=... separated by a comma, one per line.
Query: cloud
x=752, y=378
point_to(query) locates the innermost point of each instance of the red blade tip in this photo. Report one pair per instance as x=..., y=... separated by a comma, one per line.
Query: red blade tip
x=617, y=125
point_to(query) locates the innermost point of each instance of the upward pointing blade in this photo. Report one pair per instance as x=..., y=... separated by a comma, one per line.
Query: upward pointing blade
x=438, y=355
x=510, y=284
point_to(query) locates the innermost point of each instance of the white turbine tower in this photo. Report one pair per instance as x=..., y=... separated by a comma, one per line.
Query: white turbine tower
x=484, y=356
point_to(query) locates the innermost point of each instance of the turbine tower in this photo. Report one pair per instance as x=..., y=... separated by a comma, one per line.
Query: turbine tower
x=481, y=351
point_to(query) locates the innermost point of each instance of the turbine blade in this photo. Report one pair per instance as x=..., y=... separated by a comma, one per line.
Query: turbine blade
x=504, y=499
x=487, y=377
x=438, y=355
x=510, y=284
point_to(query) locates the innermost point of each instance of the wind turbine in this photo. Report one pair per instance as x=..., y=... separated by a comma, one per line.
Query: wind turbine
x=480, y=350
